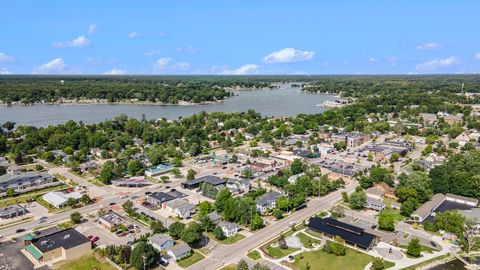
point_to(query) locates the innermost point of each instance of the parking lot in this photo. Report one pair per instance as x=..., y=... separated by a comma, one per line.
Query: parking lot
x=10, y=254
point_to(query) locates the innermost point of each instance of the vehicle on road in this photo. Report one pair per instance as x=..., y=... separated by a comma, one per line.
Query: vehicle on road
x=112, y=203
x=19, y=230
x=148, y=192
x=124, y=197
x=433, y=244
x=134, y=197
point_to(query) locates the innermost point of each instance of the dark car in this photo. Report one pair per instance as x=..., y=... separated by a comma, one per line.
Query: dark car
x=167, y=187
x=374, y=227
x=90, y=237
x=433, y=244
x=19, y=230
x=95, y=239
x=148, y=193
x=112, y=203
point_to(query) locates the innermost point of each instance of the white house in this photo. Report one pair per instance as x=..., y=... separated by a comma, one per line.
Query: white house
x=267, y=201
x=229, y=229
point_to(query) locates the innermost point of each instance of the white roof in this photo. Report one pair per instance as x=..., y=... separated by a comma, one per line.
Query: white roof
x=57, y=198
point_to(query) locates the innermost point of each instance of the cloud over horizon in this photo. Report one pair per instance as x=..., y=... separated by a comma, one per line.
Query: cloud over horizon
x=436, y=64
x=288, y=55
x=56, y=65
x=78, y=42
x=247, y=69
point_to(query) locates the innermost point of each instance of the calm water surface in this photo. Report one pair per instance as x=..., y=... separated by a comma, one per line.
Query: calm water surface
x=286, y=101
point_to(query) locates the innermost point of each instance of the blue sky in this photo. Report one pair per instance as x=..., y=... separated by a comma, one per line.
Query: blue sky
x=239, y=37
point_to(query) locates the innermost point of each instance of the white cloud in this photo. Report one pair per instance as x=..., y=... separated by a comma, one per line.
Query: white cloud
x=92, y=28
x=429, y=46
x=5, y=58
x=166, y=65
x=372, y=60
x=5, y=71
x=116, y=71
x=436, y=64
x=152, y=53
x=288, y=55
x=78, y=42
x=243, y=70
x=55, y=66
x=189, y=49
x=134, y=35
x=477, y=56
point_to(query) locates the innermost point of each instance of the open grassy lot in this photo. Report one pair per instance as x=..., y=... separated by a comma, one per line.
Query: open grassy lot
x=306, y=240
x=277, y=252
x=196, y=257
x=395, y=214
x=86, y=262
x=319, y=260
x=231, y=240
x=229, y=267
x=254, y=255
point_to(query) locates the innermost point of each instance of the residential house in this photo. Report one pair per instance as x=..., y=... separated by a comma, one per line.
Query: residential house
x=293, y=179
x=453, y=119
x=180, y=251
x=238, y=186
x=229, y=229
x=58, y=246
x=161, y=242
x=215, y=217
x=374, y=204
x=267, y=201
x=429, y=119
x=375, y=193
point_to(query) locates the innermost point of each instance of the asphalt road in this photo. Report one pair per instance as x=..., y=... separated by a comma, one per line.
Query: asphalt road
x=224, y=255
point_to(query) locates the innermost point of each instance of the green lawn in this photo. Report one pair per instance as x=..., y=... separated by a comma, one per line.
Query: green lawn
x=389, y=264
x=86, y=262
x=254, y=255
x=277, y=252
x=231, y=240
x=424, y=248
x=417, y=266
x=395, y=214
x=306, y=240
x=319, y=260
x=196, y=257
x=229, y=267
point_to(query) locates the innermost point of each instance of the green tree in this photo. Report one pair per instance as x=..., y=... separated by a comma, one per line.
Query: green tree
x=296, y=167
x=357, y=200
x=85, y=199
x=106, y=174
x=247, y=174
x=414, y=248
x=135, y=167
x=191, y=174
x=257, y=222
x=242, y=265
x=451, y=221
x=2, y=170
x=408, y=206
x=10, y=192
x=143, y=256
x=175, y=229
x=218, y=232
x=386, y=222
x=377, y=264
x=205, y=208
x=76, y=217
x=157, y=227
x=192, y=233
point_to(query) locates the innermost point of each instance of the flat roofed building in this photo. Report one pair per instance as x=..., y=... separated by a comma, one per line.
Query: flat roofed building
x=58, y=246
x=159, y=198
x=209, y=179
x=112, y=220
x=26, y=181
x=352, y=235
x=59, y=199
x=158, y=170
x=12, y=211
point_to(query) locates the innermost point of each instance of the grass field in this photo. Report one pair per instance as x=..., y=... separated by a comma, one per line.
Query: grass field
x=306, y=240
x=395, y=214
x=231, y=240
x=319, y=260
x=254, y=255
x=277, y=252
x=196, y=257
x=86, y=262
x=229, y=267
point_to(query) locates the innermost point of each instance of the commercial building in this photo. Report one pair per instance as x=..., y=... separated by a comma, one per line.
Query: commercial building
x=441, y=203
x=58, y=246
x=59, y=198
x=12, y=211
x=112, y=220
x=136, y=181
x=158, y=170
x=352, y=235
x=26, y=181
x=209, y=179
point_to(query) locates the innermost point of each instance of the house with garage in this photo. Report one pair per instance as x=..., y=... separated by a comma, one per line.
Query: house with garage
x=161, y=241
x=180, y=251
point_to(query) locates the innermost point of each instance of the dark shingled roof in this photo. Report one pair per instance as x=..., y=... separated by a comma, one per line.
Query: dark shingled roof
x=67, y=239
x=349, y=233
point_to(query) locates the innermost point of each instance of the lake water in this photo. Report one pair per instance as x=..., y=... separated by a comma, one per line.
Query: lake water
x=285, y=101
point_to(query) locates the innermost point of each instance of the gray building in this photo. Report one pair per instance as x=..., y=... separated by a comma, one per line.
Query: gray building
x=12, y=211
x=26, y=181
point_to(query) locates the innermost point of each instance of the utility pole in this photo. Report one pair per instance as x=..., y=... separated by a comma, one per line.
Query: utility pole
x=144, y=258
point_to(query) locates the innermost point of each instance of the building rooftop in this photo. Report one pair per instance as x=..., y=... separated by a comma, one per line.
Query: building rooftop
x=13, y=177
x=162, y=196
x=268, y=197
x=66, y=239
x=180, y=249
x=347, y=232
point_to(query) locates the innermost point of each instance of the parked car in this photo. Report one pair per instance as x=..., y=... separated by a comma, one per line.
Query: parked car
x=95, y=239
x=90, y=237
x=433, y=244
x=134, y=197
x=19, y=230
x=148, y=192
x=163, y=262
x=112, y=203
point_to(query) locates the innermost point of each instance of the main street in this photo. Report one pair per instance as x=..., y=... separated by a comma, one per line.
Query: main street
x=224, y=255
